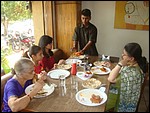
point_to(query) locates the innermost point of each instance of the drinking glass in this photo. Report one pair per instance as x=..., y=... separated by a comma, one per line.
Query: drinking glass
x=62, y=85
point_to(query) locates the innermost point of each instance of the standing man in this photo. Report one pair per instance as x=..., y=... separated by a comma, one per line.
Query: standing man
x=85, y=35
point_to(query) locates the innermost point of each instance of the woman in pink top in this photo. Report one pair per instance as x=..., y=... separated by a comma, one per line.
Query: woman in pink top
x=48, y=60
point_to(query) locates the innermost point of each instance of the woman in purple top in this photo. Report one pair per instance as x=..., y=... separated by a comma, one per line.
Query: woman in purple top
x=14, y=99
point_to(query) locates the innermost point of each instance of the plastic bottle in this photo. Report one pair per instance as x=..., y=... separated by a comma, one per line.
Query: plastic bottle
x=74, y=68
x=74, y=81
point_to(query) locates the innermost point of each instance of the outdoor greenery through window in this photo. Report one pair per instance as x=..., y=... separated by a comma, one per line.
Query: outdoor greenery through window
x=17, y=31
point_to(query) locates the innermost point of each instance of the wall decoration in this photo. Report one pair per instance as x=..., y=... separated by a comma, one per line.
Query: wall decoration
x=132, y=15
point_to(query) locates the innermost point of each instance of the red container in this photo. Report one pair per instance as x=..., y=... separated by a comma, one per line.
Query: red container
x=74, y=68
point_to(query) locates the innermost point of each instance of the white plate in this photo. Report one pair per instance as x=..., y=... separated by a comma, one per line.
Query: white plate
x=99, y=63
x=77, y=57
x=64, y=66
x=97, y=70
x=83, y=75
x=57, y=72
x=83, y=97
x=102, y=63
x=70, y=61
x=46, y=88
x=91, y=83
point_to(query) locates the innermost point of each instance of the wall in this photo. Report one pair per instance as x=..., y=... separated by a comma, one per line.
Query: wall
x=111, y=41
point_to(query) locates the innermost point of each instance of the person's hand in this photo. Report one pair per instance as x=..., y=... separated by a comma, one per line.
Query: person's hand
x=42, y=75
x=73, y=50
x=81, y=52
x=124, y=62
x=55, y=66
x=62, y=61
x=38, y=86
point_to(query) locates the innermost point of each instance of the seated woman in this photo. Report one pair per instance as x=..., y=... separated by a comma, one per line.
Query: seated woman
x=128, y=75
x=48, y=60
x=14, y=99
x=35, y=54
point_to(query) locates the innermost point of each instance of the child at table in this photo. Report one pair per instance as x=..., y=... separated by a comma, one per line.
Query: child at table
x=14, y=89
x=35, y=54
x=48, y=60
x=128, y=76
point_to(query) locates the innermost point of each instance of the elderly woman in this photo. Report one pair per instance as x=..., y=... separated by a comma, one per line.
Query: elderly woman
x=14, y=99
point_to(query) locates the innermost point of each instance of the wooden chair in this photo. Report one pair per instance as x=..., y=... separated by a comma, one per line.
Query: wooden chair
x=143, y=85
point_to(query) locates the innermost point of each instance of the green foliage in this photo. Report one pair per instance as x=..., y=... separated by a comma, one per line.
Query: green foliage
x=4, y=61
x=15, y=10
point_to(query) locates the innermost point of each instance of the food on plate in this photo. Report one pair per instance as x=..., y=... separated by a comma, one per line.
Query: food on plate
x=41, y=92
x=77, y=53
x=64, y=66
x=102, y=63
x=103, y=69
x=96, y=98
x=88, y=72
x=91, y=83
x=98, y=63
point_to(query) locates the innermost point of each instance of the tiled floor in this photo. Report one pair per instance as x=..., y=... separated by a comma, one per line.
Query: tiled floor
x=144, y=103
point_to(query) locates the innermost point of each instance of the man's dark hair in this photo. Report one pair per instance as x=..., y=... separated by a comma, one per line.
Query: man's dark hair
x=86, y=12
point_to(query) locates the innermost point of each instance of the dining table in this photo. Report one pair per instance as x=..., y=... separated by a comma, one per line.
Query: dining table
x=56, y=102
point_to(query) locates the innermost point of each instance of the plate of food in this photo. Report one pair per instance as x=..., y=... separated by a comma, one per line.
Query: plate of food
x=91, y=97
x=46, y=90
x=91, y=83
x=102, y=63
x=77, y=55
x=57, y=72
x=71, y=60
x=100, y=70
x=84, y=75
x=64, y=66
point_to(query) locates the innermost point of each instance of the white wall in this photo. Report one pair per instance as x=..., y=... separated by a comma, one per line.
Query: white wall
x=111, y=41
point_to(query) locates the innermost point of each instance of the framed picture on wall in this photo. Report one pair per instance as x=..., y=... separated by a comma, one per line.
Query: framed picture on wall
x=132, y=15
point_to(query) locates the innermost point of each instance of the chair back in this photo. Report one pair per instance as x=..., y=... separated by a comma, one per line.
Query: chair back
x=146, y=75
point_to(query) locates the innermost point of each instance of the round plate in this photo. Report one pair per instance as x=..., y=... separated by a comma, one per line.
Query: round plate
x=98, y=70
x=70, y=61
x=78, y=57
x=47, y=90
x=102, y=63
x=57, y=72
x=83, y=97
x=99, y=63
x=64, y=66
x=91, y=83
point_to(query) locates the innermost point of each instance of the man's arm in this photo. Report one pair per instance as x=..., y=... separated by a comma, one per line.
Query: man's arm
x=87, y=46
x=75, y=46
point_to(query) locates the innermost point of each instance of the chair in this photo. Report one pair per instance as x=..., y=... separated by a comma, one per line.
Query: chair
x=143, y=85
x=114, y=59
x=4, y=79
